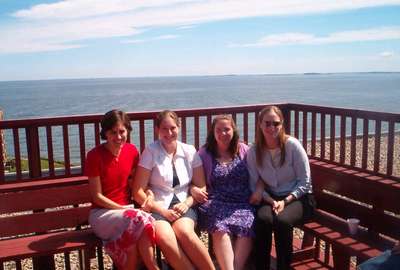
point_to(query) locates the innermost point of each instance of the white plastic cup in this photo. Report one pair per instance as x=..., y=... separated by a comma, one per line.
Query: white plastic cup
x=353, y=225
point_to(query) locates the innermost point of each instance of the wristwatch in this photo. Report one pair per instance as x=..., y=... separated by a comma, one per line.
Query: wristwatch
x=286, y=201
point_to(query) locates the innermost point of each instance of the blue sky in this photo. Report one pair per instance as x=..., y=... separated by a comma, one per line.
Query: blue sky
x=126, y=38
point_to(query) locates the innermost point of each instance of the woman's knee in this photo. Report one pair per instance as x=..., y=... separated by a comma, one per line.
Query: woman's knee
x=290, y=216
x=164, y=233
x=184, y=233
x=283, y=221
x=265, y=215
x=184, y=230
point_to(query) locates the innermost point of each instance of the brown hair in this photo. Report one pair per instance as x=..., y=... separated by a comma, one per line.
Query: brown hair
x=211, y=142
x=111, y=118
x=164, y=114
x=260, y=141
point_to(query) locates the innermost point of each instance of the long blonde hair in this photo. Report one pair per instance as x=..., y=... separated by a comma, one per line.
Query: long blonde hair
x=260, y=141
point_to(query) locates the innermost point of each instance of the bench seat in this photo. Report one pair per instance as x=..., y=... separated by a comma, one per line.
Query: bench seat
x=342, y=193
x=45, y=217
x=47, y=244
x=334, y=232
x=307, y=264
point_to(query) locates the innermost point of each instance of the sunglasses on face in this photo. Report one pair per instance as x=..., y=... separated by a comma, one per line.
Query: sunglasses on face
x=272, y=123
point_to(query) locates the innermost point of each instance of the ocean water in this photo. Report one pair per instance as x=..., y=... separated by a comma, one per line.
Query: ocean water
x=27, y=99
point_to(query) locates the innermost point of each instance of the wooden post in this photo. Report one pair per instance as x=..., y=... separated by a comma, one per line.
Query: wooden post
x=32, y=140
x=32, y=144
x=44, y=262
x=3, y=142
x=286, y=115
x=3, y=156
x=341, y=259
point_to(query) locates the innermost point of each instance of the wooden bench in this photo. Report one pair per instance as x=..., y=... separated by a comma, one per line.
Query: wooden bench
x=342, y=193
x=41, y=218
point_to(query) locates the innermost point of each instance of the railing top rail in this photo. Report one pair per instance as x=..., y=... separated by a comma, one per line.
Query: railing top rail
x=373, y=115
x=90, y=118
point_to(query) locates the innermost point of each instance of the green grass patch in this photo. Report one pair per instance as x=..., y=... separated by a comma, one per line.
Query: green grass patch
x=44, y=163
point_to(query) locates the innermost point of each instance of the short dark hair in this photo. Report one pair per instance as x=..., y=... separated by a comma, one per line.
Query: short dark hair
x=111, y=118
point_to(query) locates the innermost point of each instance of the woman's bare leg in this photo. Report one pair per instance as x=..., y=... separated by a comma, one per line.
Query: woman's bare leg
x=166, y=240
x=146, y=251
x=242, y=251
x=132, y=259
x=223, y=250
x=191, y=244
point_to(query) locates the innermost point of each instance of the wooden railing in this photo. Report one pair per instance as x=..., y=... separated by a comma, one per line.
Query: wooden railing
x=67, y=139
x=332, y=134
x=363, y=140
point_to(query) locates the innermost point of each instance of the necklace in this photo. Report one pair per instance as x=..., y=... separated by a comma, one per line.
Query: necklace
x=225, y=162
x=224, y=158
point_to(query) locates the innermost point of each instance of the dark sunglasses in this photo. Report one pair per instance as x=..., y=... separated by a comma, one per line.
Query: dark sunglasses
x=272, y=123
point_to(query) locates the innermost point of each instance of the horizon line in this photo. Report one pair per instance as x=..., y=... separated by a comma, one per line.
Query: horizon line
x=210, y=75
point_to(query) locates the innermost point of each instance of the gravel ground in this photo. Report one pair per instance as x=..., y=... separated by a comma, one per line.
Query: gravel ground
x=371, y=153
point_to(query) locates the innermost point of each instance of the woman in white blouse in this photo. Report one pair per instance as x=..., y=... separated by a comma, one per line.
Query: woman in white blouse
x=167, y=167
x=279, y=168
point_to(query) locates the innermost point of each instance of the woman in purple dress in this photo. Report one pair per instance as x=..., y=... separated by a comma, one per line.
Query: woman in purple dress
x=226, y=212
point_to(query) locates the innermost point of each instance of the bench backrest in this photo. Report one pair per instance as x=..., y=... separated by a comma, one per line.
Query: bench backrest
x=43, y=206
x=346, y=193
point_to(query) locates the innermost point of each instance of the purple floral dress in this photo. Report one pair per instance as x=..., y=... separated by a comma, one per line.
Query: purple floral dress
x=228, y=209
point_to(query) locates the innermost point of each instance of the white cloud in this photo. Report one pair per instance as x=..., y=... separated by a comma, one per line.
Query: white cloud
x=373, y=34
x=133, y=41
x=186, y=27
x=386, y=54
x=61, y=24
x=214, y=8
x=163, y=37
x=85, y=8
x=60, y=36
x=286, y=38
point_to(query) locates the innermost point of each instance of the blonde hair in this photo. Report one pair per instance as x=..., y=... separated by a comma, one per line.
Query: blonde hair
x=260, y=141
x=164, y=114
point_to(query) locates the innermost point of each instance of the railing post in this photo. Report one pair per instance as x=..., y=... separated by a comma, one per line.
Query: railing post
x=3, y=153
x=44, y=262
x=32, y=144
x=3, y=143
x=341, y=259
x=286, y=115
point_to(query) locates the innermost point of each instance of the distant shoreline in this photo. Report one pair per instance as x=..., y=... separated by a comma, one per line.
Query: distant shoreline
x=210, y=75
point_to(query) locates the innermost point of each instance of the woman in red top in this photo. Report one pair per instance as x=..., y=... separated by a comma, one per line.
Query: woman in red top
x=127, y=233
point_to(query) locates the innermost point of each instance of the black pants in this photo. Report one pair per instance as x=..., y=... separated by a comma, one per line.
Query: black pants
x=281, y=225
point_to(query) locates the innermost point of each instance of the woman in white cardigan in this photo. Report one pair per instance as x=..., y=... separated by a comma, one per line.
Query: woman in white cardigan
x=167, y=167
